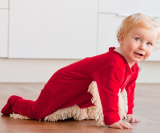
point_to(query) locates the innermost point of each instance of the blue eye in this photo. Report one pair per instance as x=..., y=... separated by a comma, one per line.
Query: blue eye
x=149, y=43
x=137, y=39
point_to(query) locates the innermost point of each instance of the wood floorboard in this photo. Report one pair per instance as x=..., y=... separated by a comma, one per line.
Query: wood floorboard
x=147, y=109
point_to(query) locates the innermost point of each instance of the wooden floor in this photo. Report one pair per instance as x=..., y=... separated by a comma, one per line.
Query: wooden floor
x=147, y=109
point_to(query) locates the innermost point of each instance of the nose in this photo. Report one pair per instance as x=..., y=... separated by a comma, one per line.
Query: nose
x=142, y=46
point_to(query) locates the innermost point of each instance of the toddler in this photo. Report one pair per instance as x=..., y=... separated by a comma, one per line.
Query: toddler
x=112, y=73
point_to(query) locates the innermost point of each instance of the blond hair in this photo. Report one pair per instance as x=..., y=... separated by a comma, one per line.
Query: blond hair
x=138, y=20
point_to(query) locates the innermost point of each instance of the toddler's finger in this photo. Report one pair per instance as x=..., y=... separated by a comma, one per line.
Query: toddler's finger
x=133, y=120
x=120, y=127
x=125, y=125
x=128, y=119
x=128, y=124
x=137, y=120
x=115, y=126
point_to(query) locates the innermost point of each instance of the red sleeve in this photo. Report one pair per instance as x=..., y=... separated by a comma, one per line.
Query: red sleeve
x=108, y=81
x=130, y=88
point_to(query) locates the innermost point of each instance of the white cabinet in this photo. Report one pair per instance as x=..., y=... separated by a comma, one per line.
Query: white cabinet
x=3, y=33
x=3, y=3
x=155, y=56
x=150, y=7
x=52, y=29
x=107, y=27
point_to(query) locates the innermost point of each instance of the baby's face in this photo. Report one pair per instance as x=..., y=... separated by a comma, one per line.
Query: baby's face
x=138, y=45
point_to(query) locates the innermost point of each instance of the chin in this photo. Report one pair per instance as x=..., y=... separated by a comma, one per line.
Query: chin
x=137, y=60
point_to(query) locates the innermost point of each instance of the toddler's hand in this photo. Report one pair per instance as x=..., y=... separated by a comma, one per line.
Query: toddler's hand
x=131, y=118
x=120, y=125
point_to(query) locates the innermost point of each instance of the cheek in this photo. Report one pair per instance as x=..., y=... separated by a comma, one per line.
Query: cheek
x=148, y=53
x=130, y=48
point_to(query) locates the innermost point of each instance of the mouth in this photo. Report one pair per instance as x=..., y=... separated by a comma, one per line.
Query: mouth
x=139, y=54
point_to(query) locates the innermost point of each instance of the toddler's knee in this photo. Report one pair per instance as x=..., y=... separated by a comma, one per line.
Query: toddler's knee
x=14, y=98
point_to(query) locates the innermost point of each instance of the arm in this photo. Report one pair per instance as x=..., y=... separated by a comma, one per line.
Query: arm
x=108, y=81
x=130, y=88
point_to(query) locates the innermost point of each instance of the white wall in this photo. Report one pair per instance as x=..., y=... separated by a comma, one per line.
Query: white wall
x=31, y=70
x=149, y=72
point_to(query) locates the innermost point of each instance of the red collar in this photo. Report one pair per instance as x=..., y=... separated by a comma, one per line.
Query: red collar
x=131, y=70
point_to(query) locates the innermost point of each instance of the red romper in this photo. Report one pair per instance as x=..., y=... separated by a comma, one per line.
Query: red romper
x=68, y=86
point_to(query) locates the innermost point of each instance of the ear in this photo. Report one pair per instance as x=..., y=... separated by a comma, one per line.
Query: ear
x=121, y=38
